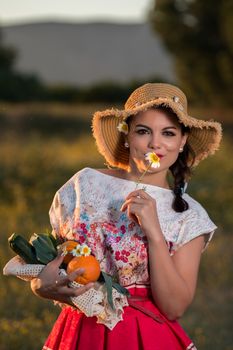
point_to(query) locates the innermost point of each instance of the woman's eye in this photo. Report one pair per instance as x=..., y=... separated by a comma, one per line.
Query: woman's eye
x=169, y=133
x=142, y=131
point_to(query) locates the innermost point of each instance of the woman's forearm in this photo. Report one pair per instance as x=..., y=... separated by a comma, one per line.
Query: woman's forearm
x=170, y=291
x=35, y=287
x=37, y=290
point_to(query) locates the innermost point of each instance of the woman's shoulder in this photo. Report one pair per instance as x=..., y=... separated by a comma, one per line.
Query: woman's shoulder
x=68, y=193
x=93, y=171
x=79, y=176
x=118, y=173
x=87, y=177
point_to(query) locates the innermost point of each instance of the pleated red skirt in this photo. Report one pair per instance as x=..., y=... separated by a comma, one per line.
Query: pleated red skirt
x=141, y=329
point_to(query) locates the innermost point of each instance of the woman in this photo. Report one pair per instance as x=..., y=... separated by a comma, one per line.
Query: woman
x=139, y=223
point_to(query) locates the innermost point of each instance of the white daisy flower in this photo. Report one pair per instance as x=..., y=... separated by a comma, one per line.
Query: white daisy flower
x=85, y=250
x=123, y=127
x=153, y=159
x=76, y=251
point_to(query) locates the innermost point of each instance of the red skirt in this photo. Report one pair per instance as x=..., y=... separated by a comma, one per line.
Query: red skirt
x=143, y=328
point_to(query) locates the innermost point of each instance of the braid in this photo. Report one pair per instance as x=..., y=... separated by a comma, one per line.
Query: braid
x=180, y=171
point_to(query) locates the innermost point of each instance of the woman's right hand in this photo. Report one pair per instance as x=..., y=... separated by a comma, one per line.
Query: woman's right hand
x=50, y=285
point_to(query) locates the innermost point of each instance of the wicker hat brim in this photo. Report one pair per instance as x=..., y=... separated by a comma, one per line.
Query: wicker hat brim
x=204, y=137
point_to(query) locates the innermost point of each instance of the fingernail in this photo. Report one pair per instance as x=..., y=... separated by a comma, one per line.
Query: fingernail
x=91, y=285
x=81, y=270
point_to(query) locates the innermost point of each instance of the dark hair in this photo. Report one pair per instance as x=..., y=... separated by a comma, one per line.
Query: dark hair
x=181, y=171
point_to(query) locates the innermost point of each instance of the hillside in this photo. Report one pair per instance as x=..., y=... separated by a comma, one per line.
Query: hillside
x=86, y=53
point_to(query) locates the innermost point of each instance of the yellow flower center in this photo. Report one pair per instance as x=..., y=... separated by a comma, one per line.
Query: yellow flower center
x=154, y=158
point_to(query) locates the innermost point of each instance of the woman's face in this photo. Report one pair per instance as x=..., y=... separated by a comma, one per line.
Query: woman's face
x=154, y=131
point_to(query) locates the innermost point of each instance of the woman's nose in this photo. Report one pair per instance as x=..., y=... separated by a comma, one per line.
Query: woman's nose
x=155, y=142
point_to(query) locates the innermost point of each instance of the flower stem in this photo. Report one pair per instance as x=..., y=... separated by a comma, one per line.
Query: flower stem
x=141, y=177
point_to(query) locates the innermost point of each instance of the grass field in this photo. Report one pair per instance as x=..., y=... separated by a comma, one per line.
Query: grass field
x=41, y=147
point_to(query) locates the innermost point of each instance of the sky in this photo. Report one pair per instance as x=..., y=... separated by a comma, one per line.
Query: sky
x=24, y=11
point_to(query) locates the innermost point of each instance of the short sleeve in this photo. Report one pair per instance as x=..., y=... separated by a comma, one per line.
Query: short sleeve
x=62, y=209
x=196, y=223
x=54, y=214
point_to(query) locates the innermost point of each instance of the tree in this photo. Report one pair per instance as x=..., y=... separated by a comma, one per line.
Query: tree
x=15, y=86
x=7, y=56
x=199, y=35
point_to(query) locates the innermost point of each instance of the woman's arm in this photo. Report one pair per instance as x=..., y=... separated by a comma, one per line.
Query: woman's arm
x=173, y=279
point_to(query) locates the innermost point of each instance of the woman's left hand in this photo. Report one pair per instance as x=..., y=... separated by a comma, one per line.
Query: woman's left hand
x=141, y=208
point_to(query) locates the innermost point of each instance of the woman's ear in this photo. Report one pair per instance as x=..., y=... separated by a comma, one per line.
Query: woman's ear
x=184, y=140
x=126, y=143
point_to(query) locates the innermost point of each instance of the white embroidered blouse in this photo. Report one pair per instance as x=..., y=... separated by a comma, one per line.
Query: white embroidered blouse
x=87, y=209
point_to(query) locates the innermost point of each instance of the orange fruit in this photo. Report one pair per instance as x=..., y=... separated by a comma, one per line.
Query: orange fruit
x=68, y=246
x=91, y=266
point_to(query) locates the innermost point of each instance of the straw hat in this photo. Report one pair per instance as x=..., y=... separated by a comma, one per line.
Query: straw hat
x=204, y=137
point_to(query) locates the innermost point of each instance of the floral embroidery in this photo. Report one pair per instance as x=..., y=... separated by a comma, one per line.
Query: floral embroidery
x=123, y=229
x=123, y=255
